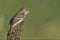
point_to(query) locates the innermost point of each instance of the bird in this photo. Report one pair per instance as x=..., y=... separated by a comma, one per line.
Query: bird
x=15, y=31
x=19, y=16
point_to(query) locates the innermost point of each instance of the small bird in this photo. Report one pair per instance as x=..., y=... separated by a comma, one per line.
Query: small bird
x=15, y=31
x=19, y=16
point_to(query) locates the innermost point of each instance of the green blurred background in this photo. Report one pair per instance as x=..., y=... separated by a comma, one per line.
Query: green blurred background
x=43, y=22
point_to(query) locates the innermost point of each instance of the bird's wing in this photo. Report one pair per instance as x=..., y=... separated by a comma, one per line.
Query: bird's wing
x=16, y=19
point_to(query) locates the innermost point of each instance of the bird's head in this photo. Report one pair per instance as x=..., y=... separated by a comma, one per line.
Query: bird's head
x=25, y=10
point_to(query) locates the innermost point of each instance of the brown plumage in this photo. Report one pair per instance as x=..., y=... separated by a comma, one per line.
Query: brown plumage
x=19, y=16
x=16, y=24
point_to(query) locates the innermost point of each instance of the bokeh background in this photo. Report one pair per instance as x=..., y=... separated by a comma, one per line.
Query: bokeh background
x=43, y=22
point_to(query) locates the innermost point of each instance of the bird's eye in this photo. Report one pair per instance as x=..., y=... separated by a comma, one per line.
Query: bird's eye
x=26, y=9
